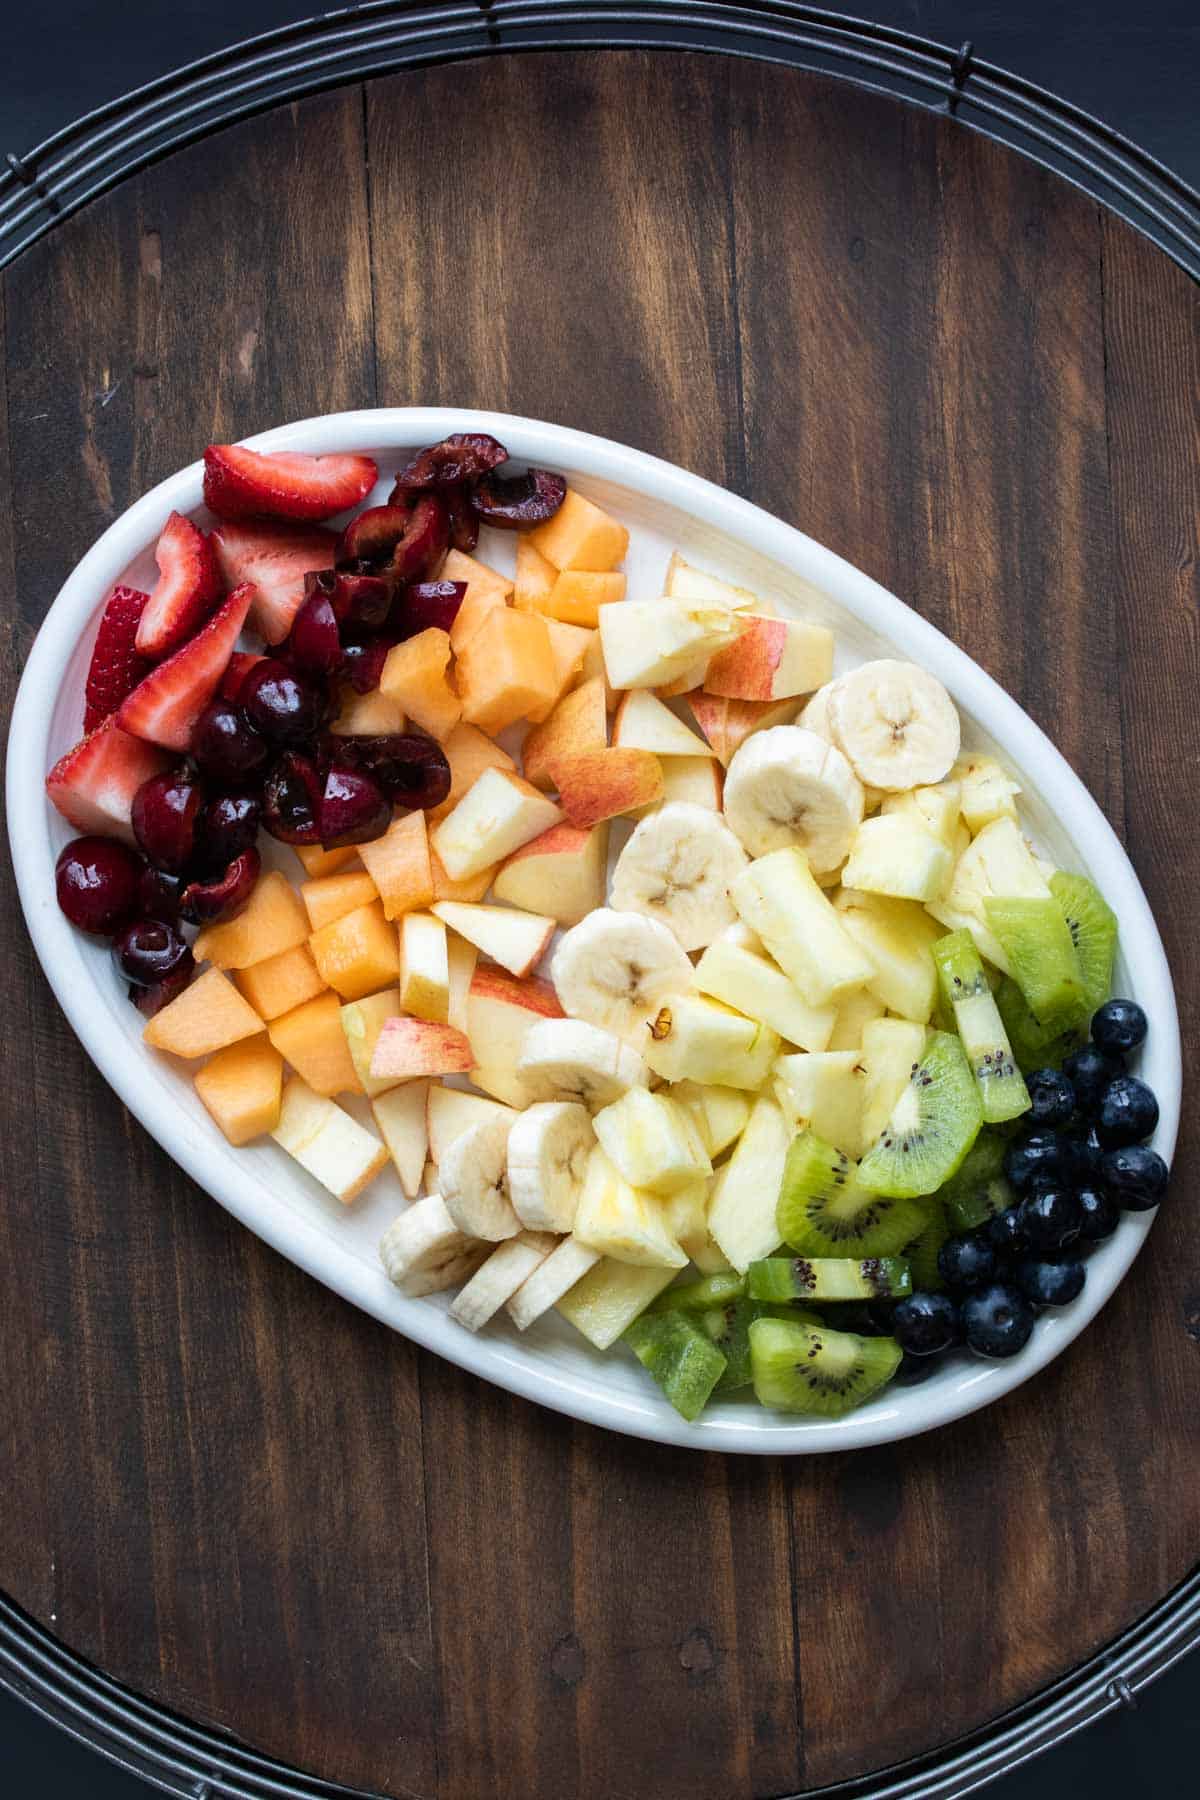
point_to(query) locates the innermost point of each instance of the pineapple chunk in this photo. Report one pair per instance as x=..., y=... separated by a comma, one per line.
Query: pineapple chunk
x=610, y=1297
x=896, y=935
x=778, y=898
x=890, y=1047
x=741, y=1210
x=824, y=1092
x=892, y=854
x=694, y=1038
x=853, y=1016
x=622, y=1222
x=988, y=791
x=334, y=1148
x=998, y=864
x=652, y=1141
x=720, y=1113
x=939, y=808
x=731, y=971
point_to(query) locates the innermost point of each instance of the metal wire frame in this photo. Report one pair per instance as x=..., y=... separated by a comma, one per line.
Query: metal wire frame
x=195, y=1763
x=98, y=151
x=95, y=152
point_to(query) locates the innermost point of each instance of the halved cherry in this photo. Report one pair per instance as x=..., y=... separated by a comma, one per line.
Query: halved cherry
x=354, y=808
x=425, y=603
x=207, y=902
x=164, y=815
x=158, y=894
x=421, y=551
x=149, y=951
x=151, y=1000
x=462, y=457
x=314, y=644
x=464, y=522
x=227, y=825
x=521, y=501
x=292, y=800
x=357, y=595
x=363, y=660
x=410, y=769
x=372, y=536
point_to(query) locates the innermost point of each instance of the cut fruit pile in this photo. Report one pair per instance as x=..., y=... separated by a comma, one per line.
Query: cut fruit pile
x=796, y=1041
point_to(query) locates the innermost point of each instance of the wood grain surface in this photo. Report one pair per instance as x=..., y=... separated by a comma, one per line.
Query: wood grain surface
x=230, y=1489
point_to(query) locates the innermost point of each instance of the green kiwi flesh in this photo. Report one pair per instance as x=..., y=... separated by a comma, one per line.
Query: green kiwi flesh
x=825, y=1211
x=804, y=1368
x=681, y=1357
x=965, y=992
x=1093, y=927
x=779, y=1279
x=933, y=1125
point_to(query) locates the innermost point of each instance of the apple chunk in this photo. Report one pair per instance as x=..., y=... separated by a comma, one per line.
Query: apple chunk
x=578, y=722
x=334, y=1148
x=515, y=940
x=501, y=1008
x=401, y=1118
x=561, y=872
x=774, y=659
x=406, y=1048
x=644, y=723
x=594, y=785
x=648, y=642
x=499, y=814
x=451, y=1111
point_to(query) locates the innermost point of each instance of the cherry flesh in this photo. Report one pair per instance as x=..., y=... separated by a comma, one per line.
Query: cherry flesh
x=284, y=706
x=225, y=744
x=354, y=808
x=208, y=902
x=520, y=502
x=164, y=815
x=150, y=951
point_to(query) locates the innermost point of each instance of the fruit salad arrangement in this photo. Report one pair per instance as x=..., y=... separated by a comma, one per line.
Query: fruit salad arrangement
x=832, y=1040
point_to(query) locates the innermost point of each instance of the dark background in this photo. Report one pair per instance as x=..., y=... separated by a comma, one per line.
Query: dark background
x=1134, y=66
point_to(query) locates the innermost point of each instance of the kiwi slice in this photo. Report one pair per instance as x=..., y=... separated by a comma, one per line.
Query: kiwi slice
x=922, y=1254
x=825, y=1211
x=682, y=1359
x=1093, y=927
x=810, y=1369
x=1036, y=939
x=964, y=988
x=978, y=1190
x=1037, y=1043
x=698, y=1296
x=932, y=1126
x=782, y=1278
x=728, y=1328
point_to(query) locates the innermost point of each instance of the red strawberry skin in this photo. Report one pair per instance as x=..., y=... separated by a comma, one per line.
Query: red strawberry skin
x=240, y=665
x=187, y=589
x=93, y=785
x=164, y=707
x=115, y=668
x=276, y=558
x=240, y=483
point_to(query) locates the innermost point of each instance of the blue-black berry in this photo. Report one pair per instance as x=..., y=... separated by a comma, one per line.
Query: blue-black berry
x=1051, y=1283
x=966, y=1262
x=1119, y=1025
x=997, y=1321
x=1127, y=1114
x=1051, y=1096
x=1100, y=1215
x=1135, y=1176
x=925, y=1324
x=1050, y=1218
x=1089, y=1071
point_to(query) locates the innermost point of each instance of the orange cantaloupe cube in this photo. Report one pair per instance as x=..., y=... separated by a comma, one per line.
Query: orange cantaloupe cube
x=458, y=566
x=311, y=1038
x=505, y=669
x=374, y=714
x=281, y=982
x=477, y=605
x=581, y=535
x=578, y=722
x=398, y=864
x=358, y=953
x=316, y=862
x=272, y=920
x=205, y=1017
x=471, y=888
x=332, y=896
x=242, y=1086
x=578, y=595
x=469, y=752
x=535, y=576
x=414, y=676
x=568, y=646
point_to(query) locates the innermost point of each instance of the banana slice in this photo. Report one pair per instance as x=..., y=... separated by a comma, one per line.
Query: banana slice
x=550, y=1281
x=615, y=969
x=547, y=1154
x=498, y=1279
x=474, y=1179
x=896, y=724
x=567, y=1059
x=790, y=786
x=677, y=867
x=815, y=714
x=423, y=1251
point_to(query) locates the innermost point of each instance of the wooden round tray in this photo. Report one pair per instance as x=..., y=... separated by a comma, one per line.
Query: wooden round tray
x=243, y=1498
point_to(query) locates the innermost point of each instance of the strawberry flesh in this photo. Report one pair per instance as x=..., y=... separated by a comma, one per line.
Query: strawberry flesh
x=187, y=589
x=93, y=785
x=240, y=483
x=276, y=558
x=164, y=707
x=115, y=668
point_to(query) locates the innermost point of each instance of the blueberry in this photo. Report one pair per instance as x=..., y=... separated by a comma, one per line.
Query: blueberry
x=1135, y=1176
x=924, y=1324
x=866, y=1317
x=1089, y=1071
x=1128, y=1112
x=1052, y=1097
x=1120, y=1025
x=912, y=1369
x=1042, y=1156
x=1051, y=1218
x=997, y=1321
x=1085, y=1153
x=1051, y=1283
x=1101, y=1215
x=967, y=1261
x=1005, y=1232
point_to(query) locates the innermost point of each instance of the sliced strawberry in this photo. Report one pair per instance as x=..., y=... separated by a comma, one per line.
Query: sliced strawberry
x=239, y=483
x=240, y=665
x=115, y=668
x=93, y=785
x=165, y=706
x=187, y=589
x=276, y=558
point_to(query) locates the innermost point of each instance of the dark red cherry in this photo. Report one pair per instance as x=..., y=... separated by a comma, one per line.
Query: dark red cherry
x=463, y=457
x=464, y=521
x=150, y=951
x=285, y=706
x=354, y=808
x=224, y=743
x=158, y=894
x=358, y=595
x=164, y=817
x=314, y=645
x=292, y=799
x=363, y=660
x=410, y=769
x=96, y=880
x=521, y=501
x=207, y=902
x=421, y=551
x=227, y=825
x=370, y=538
x=426, y=603
x=151, y=1000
